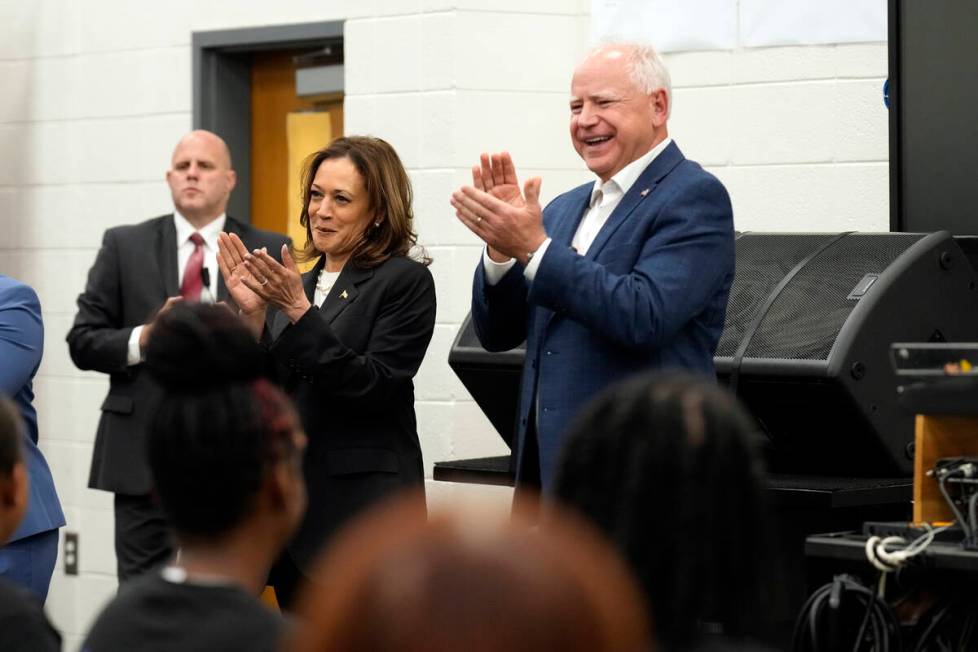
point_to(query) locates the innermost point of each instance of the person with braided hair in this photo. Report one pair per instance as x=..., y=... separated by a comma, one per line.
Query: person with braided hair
x=667, y=467
x=225, y=451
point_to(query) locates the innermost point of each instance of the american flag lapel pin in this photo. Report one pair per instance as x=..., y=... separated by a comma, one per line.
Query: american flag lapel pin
x=645, y=192
x=344, y=295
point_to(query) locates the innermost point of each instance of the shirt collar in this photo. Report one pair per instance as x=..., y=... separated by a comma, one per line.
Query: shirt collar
x=208, y=232
x=626, y=177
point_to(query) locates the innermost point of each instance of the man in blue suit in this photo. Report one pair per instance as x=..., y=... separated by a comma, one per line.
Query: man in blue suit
x=28, y=557
x=627, y=273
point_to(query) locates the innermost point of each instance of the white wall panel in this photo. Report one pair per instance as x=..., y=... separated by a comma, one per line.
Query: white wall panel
x=531, y=126
x=784, y=64
x=522, y=64
x=70, y=409
x=438, y=61
x=703, y=123
x=397, y=54
x=776, y=123
x=359, y=63
x=863, y=130
x=696, y=69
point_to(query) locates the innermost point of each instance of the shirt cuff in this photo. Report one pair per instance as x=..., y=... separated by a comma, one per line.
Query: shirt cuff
x=495, y=271
x=531, y=267
x=133, y=355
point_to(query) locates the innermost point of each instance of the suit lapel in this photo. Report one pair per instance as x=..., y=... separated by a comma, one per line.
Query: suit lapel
x=344, y=292
x=643, y=187
x=565, y=229
x=310, y=277
x=166, y=251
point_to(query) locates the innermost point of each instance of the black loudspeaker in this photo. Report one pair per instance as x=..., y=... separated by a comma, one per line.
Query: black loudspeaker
x=806, y=343
x=493, y=379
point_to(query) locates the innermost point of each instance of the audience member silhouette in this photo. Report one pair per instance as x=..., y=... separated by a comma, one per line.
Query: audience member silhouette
x=666, y=466
x=394, y=582
x=23, y=625
x=225, y=450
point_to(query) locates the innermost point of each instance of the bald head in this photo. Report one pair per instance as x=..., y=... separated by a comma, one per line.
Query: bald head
x=209, y=139
x=200, y=177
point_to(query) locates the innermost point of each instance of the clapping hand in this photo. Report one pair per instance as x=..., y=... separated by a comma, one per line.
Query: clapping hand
x=231, y=253
x=277, y=283
x=508, y=221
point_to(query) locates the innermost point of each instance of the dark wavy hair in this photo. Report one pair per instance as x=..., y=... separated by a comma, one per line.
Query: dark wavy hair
x=388, y=194
x=219, y=426
x=668, y=467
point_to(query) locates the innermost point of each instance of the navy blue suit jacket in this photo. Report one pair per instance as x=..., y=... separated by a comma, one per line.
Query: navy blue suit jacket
x=651, y=292
x=21, y=347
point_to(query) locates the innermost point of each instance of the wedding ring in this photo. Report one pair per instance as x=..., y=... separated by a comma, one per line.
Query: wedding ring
x=265, y=282
x=478, y=219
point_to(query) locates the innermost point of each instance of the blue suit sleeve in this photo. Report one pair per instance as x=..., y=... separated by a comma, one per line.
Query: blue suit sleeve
x=499, y=311
x=679, y=267
x=21, y=338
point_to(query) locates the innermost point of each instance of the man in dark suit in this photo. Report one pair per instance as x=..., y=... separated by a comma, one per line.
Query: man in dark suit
x=141, y=270
x=629, y=272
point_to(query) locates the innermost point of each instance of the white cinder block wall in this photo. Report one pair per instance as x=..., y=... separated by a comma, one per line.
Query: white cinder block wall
x=96, y=94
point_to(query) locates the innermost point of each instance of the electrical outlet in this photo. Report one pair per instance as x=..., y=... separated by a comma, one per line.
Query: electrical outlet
x=71, y=553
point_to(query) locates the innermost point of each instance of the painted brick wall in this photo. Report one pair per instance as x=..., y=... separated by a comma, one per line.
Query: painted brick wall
x=96, y=94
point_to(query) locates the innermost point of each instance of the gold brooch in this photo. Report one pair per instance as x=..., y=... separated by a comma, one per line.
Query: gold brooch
x=344, y=295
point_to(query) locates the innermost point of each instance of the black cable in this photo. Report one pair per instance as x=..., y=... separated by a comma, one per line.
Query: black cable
x=942, y=485
x=964, y=641
x=931, y=628
x=878, y=617
x=862, y=626
x=799, y=629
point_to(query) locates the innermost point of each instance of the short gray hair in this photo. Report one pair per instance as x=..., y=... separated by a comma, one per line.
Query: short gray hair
x=644, y=66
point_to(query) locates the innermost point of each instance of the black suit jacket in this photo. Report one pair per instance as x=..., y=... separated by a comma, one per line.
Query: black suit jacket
x=349, y=367
x=134, y=273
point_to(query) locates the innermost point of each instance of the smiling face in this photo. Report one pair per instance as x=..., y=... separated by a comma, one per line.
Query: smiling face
x=339, y=210
x=200, y=177
x=613, y=122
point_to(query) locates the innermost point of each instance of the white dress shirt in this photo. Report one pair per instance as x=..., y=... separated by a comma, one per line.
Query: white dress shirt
x=605, y=197
x=324, y=284
x=185, y=247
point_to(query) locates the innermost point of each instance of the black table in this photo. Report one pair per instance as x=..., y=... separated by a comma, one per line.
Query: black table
x=822, y=492
x=845, y=547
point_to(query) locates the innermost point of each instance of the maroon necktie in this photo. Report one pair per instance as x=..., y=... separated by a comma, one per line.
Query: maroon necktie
x=192, y=279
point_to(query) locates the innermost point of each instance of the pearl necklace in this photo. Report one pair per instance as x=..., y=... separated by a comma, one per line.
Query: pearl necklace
x=326, y=281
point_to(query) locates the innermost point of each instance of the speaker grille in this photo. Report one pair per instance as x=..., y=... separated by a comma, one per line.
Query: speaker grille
x=804, y=321
x=763, y=260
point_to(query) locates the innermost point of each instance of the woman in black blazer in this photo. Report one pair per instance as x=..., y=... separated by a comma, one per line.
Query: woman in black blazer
x=346, y=338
